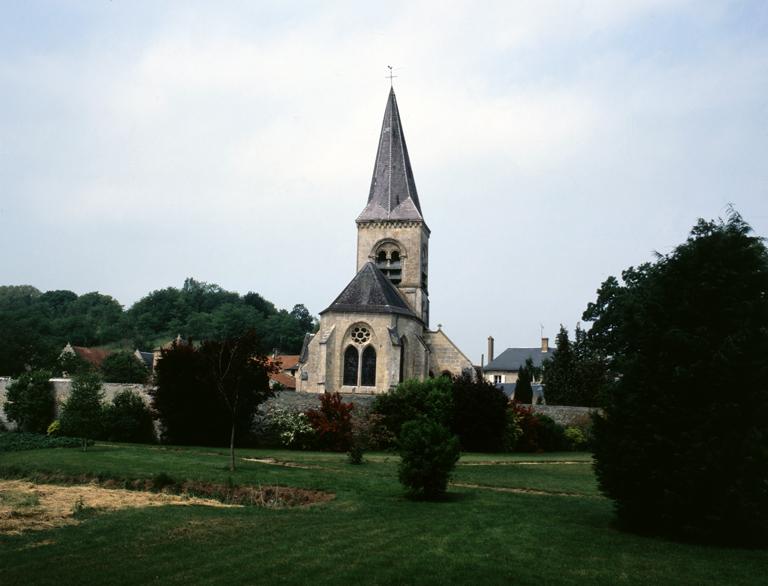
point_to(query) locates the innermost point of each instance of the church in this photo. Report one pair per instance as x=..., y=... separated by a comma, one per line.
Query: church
x=376, y=333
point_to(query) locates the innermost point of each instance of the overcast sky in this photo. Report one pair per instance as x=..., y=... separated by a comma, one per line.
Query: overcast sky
x=553, y=144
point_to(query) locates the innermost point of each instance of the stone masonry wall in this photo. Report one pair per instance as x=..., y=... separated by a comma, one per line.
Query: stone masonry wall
x=63, y=386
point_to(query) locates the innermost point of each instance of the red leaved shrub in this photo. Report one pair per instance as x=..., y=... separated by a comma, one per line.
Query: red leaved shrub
x=332, y=423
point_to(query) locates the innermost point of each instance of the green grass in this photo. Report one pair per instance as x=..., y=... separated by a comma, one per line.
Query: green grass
x=370, y=534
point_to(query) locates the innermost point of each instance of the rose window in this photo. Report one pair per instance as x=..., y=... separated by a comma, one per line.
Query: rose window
x=360, y=334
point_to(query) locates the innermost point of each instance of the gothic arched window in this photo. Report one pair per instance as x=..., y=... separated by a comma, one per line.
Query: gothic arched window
x=351, y=358
x=368, y=374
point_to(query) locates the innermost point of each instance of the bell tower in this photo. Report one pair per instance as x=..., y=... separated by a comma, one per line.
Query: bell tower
x=391, y=231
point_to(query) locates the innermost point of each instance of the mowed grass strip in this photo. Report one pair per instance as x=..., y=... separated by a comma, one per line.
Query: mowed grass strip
x=369, y=534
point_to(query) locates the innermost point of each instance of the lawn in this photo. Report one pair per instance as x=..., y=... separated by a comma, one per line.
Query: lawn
x=508, y=519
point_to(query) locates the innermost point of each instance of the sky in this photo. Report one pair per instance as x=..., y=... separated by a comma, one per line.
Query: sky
x=553, y=144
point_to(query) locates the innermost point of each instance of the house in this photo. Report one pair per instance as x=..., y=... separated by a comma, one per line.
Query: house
x=287, y=364
x=146, y=358
x=93, y=356
x=504, y=368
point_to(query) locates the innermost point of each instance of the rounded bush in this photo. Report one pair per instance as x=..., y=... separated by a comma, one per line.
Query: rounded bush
x=428, y=454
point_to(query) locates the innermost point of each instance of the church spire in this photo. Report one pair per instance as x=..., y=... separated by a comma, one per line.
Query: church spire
x=393, y=191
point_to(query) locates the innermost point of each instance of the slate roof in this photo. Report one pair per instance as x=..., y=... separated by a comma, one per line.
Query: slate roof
x=513, y=358
x=148, y=358
x=370, y=292
x=393, y=191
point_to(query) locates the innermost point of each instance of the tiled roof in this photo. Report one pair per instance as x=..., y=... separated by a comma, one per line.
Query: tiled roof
x=285, y=361
x=393, y=191
x=93, y=355
x=284, y=379
x=513, y=358
x=370, y=292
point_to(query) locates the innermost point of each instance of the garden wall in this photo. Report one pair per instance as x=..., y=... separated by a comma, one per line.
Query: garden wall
x=62, y=388
x=565, y=415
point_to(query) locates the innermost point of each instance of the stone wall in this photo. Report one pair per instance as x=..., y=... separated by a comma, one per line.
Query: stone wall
x=63, y=386
x=565, y=415
x=298, y=401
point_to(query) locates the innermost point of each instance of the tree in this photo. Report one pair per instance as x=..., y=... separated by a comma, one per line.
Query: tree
x=30, y=402
x=428, y=454
x=682, y=447
x=124, y=367
x=523, y=389
x=575, y=373
x=208, y=395
x=239, y=376
x=128, y=419
x=479, y=414
x=82, y=413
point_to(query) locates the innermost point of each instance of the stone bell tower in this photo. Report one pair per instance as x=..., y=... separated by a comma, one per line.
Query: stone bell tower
x=391, y=231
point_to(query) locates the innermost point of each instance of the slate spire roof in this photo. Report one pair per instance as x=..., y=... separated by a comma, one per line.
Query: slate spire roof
x=370, y=292
x=393, y=191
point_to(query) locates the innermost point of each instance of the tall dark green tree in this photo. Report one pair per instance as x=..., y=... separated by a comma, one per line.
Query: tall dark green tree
x=479, y=414
x=208, y=395
x=682, y=447
x=575, y=373
x=523, y=389
x=82, y=413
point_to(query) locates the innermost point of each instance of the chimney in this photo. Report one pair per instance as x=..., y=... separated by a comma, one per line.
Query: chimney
x=545, y=344
x=490, y=349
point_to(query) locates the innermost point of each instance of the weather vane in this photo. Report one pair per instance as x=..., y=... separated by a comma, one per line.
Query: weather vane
x=391, y=75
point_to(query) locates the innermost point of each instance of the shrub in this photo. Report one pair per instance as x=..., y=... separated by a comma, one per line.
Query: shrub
x=16, y=441
x=128, y=419
x=538, y=433
x=30, y=402
x=428, y=454
x=292, y=428
x=551, y=435
x=413, y=399
x=54, y=428
x=479, y=414
x=512, y=430
x=332, y=423
x=682, y=444
x=576, y=438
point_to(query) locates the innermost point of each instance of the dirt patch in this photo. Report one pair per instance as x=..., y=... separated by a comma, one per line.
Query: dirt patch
x=274, y=462
x=522, y=490
x=26, y=506
x=532, y=463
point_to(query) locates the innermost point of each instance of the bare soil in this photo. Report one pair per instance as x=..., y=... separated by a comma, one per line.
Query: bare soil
x=27, y=506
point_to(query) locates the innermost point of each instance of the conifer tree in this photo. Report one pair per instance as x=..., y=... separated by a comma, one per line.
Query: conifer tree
x=82, y=413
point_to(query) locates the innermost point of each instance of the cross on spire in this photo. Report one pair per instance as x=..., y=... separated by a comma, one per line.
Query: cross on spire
x=390, y=75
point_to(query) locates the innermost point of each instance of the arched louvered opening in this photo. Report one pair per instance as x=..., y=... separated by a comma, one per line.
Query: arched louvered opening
x=389, y=261
x=368, y=374
x=351, y=360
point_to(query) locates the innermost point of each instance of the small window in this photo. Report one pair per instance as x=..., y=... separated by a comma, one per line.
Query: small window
x=497, y=379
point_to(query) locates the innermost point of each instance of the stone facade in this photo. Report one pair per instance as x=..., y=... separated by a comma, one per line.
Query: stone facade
x=411, y=240
x=376, y=333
